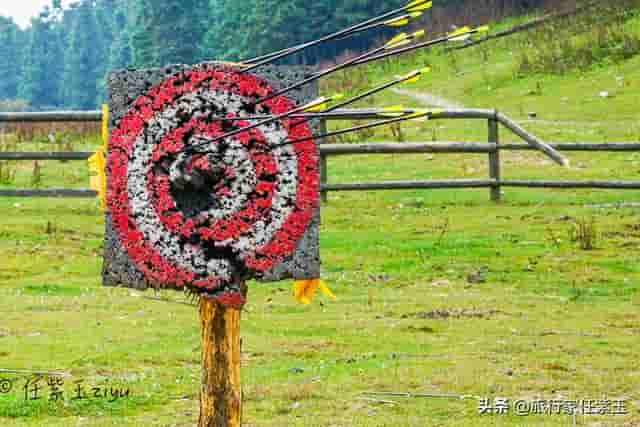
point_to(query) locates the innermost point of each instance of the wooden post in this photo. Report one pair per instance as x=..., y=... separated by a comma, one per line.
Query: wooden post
x=323, y=178
x=220, y=392
x=494, y=160
x=324, y=196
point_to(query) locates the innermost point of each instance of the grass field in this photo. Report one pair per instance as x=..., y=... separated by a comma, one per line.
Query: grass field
x=549, y=320
x=439, y=292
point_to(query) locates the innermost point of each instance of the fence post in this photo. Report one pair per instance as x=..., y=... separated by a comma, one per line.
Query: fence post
x=494, y=159
x=324, y=196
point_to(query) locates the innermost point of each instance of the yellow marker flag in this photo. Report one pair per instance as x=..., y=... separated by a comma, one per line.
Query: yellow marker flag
x=105, y=125
x=98, y=177
x=304, y=290
x=97, y=162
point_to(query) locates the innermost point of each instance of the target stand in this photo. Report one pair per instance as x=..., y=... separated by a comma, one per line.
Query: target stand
x=188, y=210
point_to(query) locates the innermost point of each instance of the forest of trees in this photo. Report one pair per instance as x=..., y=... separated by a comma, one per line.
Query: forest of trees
x=62, y=58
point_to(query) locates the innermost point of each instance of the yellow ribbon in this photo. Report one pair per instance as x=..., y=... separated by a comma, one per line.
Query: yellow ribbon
x=304, y=290
x=97, y=162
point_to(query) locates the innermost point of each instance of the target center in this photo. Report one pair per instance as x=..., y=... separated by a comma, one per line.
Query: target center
x=196, y=181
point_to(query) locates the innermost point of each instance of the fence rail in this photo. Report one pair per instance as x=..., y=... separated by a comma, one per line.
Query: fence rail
x=492, y=148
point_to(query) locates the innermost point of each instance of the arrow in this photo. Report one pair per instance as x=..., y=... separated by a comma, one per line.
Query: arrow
x=399, y=21
x=411, y=77
x=412, y=7
x=396, y=41
x=455, y=35
x=318, y=105
x=406, y=116
x=315, y=105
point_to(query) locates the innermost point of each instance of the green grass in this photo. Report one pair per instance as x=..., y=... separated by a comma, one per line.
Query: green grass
x=549, y=320
x=568, y=106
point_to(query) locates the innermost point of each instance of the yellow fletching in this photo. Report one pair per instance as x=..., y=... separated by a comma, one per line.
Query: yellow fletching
x=401, y=43
x=418, y=34
x=318, y=107
x=414, y=76
x=459, y=32
x=414, y=3
x=482, y=29
x=402, y=20
x=397, y=22
x=397, y=39
x=321, y=103
x=418, y=5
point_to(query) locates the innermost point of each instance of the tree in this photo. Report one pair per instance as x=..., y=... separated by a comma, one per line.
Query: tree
x=105, y=33
x=143, y=50
x=180, y=29
x=169, y=32
x=120, y=54
x=10, y=58
x=82, y=58
x=40, y=81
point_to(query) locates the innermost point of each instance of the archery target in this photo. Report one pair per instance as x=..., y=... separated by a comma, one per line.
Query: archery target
x=254, y=198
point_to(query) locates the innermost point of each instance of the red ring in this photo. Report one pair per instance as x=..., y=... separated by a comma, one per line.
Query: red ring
x=165, y=272
x=223, y=229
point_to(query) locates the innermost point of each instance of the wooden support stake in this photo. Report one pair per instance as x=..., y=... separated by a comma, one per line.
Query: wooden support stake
x=220, y=392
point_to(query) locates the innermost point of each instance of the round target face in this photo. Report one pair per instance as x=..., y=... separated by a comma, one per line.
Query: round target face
x=196, y=210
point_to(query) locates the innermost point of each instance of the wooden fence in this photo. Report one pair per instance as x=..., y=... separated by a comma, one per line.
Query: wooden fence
x=492, y=148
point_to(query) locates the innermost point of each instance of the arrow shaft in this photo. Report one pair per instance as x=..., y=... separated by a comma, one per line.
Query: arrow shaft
x=321, y=74
x=249, y=127
x=406, y=49
x=288, y=49
x=401, y=51
x=333, y=36
x=348, y=130
x=357, y=98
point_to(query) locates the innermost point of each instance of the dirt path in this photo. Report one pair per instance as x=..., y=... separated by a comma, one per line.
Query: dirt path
x=429, y=99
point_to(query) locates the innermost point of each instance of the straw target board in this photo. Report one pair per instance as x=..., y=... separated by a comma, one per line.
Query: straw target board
x=189, y=209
